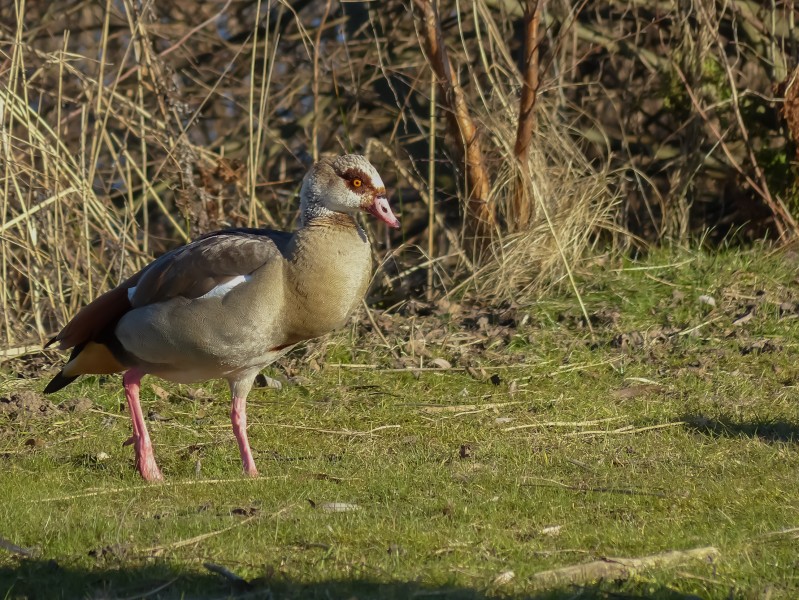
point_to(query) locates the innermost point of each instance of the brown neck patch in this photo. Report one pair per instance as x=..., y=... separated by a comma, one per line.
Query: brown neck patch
x=335, y=219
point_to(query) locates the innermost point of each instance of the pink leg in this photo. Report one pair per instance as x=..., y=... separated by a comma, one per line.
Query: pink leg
x=239, y=388
x=145, y=459
x=238, y=416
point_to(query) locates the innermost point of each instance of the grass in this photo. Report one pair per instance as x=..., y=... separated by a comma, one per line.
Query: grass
x=693, y=443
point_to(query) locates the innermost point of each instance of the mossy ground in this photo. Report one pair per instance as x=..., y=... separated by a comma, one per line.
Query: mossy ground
x=673, y=425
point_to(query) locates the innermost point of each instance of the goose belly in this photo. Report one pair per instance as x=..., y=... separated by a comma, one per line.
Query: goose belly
x=190, y=341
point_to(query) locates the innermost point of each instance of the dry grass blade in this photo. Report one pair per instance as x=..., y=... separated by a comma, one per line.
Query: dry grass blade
x=344, y=432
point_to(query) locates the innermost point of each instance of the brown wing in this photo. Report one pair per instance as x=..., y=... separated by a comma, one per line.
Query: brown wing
x=189, y=271
x=195, y=269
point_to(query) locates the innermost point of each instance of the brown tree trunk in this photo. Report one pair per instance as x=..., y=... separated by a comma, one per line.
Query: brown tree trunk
x=522, y=209
x=480, y=216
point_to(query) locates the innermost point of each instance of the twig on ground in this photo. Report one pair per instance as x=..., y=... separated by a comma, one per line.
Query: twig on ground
x=599, y=489
x=580, y=367
x=628, y=429
x=621, y=568
x=454, y=369
x=562, y=424
x=690, y=330
x=332, y=431
x=160, y=486
x=156, y=550
x=791, y=531
x=226, y=573
x=14, y=549
x=199, y=538
x=459, y=408
x=153, y=591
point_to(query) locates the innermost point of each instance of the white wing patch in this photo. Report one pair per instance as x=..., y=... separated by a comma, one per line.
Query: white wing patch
x=216, y=292
x=223, y=288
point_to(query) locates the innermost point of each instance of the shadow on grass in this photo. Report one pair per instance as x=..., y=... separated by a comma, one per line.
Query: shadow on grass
x=35, y=579
x=768, y=431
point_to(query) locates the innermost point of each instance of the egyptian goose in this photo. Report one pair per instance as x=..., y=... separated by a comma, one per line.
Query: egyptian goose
x=232, y=302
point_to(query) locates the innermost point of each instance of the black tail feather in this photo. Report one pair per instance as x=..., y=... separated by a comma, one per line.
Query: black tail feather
x=58, y=382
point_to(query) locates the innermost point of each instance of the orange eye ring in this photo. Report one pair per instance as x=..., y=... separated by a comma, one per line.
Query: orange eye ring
x=357, y=183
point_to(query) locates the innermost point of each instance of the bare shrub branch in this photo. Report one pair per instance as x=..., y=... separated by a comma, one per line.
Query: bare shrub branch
x=462, y=129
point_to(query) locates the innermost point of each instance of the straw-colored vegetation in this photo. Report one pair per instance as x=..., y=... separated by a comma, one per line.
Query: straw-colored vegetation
x=505, y=130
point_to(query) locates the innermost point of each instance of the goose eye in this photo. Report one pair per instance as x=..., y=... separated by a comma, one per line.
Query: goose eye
x=357, y=183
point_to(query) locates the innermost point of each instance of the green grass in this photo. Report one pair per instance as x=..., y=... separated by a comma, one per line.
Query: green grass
x=718, y=466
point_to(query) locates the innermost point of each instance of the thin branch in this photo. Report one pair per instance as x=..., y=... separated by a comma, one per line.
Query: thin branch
x=622, y=568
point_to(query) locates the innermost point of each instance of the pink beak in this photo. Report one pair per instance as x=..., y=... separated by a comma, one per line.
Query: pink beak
x=381, y=209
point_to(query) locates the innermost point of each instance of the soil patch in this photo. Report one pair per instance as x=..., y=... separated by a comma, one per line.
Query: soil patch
x=26, y=404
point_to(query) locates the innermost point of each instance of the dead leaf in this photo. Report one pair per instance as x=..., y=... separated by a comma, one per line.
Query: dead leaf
x=198, y=394
x=441, y=363
x=246, y=511
x=763, y=346
x=628, y=341
x=78, y=405
x=708, y=300
x=262, y=381
x=605, y=317
x=395, y=549
x=745, y=317
x=478, y=375
x=788, y=308
x=552, y=530
x=634, y=391
x=159, y=391
x=504, y=577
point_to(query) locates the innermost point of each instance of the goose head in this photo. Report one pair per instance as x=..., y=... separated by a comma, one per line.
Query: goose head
x=346, y=184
